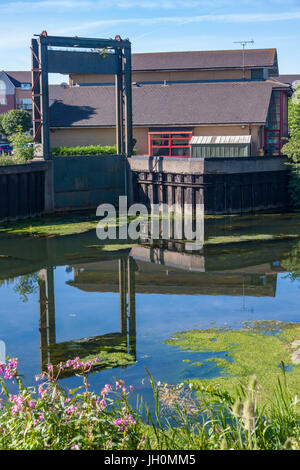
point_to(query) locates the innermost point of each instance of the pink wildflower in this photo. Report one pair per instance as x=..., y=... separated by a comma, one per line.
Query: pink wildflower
x=70, y=410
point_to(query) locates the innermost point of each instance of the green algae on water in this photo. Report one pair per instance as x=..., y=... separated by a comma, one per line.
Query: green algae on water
x=257, y=348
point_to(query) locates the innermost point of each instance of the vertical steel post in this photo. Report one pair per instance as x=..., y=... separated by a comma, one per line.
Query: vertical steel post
x=43, y=53
x=46, y=314
x=35, y=91
x=122, y=291
x=131, y=306
x=128, y=101
x=119, y=103
x=51, y=306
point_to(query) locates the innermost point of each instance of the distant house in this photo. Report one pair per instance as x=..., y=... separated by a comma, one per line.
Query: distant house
x=177, y=95
x=15, y=91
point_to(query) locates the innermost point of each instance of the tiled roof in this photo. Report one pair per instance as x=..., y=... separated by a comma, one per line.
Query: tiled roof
x=290, y=79
x=205, y=59
x=175, y=104
x=19, y=77
x=56, y=92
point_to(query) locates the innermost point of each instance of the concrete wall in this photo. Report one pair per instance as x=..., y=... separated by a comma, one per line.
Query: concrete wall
x=83, y=182
x=73, y=137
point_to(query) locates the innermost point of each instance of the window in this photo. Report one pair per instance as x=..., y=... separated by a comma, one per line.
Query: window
x=3, y=100
x=275, y=125
x=169, y=144
x=26, y=86
x=25, y=103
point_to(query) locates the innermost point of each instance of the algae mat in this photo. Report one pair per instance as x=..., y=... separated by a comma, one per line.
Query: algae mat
x=256, y=349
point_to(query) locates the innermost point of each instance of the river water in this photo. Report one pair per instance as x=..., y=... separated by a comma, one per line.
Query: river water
x=62, y=297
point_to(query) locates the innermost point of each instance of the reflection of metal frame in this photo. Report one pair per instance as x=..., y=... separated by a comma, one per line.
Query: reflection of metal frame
x=116, y=61
x=123, y=341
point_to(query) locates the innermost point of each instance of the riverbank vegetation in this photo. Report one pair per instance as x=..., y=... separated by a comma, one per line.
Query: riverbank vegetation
x=49, y=417
x=292, y=148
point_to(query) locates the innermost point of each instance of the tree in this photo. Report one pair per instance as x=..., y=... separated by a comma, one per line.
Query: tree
x=23, y=151
x=14, y=119
x=1, y=128
x=292, y=148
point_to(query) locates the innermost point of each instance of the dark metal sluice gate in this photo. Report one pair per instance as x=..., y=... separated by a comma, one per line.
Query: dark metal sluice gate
x=103, y=56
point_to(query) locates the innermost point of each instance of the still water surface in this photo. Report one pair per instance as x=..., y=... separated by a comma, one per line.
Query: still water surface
x=67, y=296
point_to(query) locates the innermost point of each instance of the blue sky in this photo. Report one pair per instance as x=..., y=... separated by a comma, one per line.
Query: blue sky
x=154, y=25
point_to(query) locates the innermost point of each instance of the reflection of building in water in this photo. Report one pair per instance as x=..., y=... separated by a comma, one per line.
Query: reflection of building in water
x=123, y=343
x=160, y=271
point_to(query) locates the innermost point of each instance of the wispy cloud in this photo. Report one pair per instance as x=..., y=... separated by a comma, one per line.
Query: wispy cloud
x=224, y=18
x=136, y=4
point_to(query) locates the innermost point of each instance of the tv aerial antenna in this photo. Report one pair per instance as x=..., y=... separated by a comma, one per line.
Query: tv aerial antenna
x=244, y=44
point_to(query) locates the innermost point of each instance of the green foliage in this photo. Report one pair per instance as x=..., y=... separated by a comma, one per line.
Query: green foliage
x=292, y=263
x=21, y=148
x=292, y=149
x=1, y=127
x=6, y=161
x=294, y=114
x=53, y=418
x=84, y=150
x=26, y=285
x=15, y=119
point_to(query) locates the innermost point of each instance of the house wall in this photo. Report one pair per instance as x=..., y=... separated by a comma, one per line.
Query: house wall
x=82, y=136
x=105, y=136
x=10, y=104
x=7, y=91
x=169, y=76
x=21, y=94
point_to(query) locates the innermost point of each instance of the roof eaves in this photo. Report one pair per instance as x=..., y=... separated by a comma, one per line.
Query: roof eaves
x=9, y=77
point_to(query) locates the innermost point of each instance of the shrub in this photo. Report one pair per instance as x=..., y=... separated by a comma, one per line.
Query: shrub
x=15, y=119
x=22, y=150
x=6, y=161
x=84, y=150
x=292, y=149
